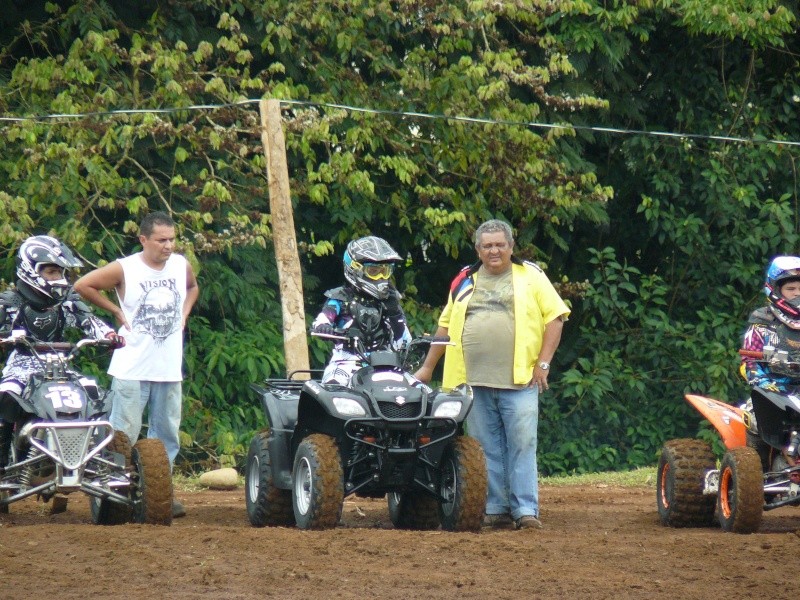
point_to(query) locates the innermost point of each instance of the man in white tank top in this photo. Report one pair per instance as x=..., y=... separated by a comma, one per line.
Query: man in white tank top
x=156, y=290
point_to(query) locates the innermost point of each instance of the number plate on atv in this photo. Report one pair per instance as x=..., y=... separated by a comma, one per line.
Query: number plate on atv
x=65, y=398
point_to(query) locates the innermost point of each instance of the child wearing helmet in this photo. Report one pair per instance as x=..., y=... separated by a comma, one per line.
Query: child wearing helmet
x=367, y=301
x=42, y=305
x=776, y=326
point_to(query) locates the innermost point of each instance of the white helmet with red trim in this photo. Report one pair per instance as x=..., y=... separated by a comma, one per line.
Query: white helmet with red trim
x=782, y=270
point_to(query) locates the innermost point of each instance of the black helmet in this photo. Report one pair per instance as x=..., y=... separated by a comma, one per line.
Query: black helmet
x=368, y=265
x=35, y=253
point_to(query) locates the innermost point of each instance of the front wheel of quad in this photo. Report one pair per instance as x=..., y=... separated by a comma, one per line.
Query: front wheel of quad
x=681, y=476
x=740, y=503
x=152, y=483
x=266, y=504
x=413, y=509
x=103, y=510
x=463, y=485
x=318, y=486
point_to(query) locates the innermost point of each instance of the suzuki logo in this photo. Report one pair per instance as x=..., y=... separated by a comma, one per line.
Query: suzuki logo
x=400, y=400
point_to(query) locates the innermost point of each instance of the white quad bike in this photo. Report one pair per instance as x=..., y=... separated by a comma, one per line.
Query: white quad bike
x=62, y=442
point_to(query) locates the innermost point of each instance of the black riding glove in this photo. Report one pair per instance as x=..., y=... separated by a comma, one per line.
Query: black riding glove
x=324, y=329
x=391, y=306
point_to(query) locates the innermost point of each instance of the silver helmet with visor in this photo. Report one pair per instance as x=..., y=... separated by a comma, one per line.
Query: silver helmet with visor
x=34, y=255
x=369, y=264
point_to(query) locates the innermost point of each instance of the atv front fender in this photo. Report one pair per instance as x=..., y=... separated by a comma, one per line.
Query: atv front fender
x=281, y=414
x=726, y=419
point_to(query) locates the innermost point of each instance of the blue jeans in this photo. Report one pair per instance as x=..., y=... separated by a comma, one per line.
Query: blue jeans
x=505, y=423
x=163, y=399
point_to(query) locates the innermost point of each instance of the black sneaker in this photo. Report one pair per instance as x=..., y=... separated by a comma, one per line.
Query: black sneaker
x=178, y=510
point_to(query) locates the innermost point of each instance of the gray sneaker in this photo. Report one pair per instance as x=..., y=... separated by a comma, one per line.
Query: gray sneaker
x=178, y=510
x=528, y=522
x=503, y=521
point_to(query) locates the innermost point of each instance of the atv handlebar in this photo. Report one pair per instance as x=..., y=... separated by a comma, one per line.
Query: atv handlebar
x=353, y=338
x=774, y=360
x=350, y=335
x=39, y=346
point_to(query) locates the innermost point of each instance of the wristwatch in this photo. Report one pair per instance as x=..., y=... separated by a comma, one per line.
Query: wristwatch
x=544, y=365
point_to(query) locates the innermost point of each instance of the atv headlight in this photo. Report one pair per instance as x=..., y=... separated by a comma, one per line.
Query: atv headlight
x=347, y=407
x=449, y=408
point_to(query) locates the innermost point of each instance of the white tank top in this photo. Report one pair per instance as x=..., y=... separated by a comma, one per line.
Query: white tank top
x=153, y=306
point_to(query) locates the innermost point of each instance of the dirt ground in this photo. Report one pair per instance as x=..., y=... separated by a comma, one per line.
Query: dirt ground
x=598, y=542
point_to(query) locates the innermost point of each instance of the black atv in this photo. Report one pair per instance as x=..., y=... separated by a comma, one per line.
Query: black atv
x=384, y=434
x=57, y=440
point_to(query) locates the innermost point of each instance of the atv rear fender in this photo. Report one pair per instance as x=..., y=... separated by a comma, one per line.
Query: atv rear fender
x=726, y=419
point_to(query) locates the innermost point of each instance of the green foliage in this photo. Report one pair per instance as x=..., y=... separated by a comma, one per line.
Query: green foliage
x=672, y=234
x=760, y=23
x=623, y=396
x=692, y=226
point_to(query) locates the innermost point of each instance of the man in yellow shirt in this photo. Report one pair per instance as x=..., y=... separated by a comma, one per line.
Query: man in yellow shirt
x=504, y=318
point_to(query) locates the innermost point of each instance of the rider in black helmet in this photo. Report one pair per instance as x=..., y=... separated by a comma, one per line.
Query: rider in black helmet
x=368, y=302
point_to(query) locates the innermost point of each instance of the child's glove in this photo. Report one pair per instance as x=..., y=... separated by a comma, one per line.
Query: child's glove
x=323, y=328
x=765, y=383
x=392, y=306
x=119, y=341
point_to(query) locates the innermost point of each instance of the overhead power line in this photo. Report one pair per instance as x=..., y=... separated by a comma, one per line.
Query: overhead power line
x=419, y=115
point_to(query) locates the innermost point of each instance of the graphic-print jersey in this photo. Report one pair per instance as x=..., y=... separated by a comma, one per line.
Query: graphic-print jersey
x=766, y=330
x=46, y=324
x=153, y=306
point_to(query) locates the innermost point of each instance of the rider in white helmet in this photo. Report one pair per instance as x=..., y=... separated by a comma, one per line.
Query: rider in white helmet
x=776, y=325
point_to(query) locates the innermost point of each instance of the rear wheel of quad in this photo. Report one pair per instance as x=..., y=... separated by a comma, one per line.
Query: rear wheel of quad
x=740, y=503
x=266, y=504
x=681, y=478
x=152, y=487
x=413, y=510
x=105, y=511
x=318, y=483
x=763, y=449
x=463, y=485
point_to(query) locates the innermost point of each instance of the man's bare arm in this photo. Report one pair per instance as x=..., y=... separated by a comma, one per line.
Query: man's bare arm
x=92, y=285
x=425, y=372
x=192, y=292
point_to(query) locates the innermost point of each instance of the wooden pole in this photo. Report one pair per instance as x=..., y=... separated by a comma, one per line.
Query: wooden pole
x=295, y=344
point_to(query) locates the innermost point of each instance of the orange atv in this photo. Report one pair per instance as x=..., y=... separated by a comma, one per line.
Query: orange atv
x=759, y=471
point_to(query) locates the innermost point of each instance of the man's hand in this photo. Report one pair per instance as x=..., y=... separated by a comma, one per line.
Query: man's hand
x=539, y=378
x=424, y=374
